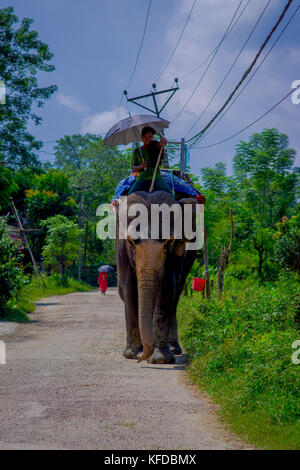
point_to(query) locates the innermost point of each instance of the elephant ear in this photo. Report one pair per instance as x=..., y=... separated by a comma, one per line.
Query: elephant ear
x=180, y=248
x=175, y=246
x=180, y=245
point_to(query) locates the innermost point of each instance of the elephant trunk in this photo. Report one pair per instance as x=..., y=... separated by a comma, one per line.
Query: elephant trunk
x=148, y=285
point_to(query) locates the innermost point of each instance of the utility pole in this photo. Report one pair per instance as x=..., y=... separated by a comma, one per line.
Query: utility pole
x=157, y=110
x=205, y=256
x=80, y=190
x=27, y=243
x=182, y=157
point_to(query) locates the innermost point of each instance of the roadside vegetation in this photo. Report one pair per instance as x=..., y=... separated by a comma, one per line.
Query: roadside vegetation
x=19, y=306
x=240, y=335
x=240, y=347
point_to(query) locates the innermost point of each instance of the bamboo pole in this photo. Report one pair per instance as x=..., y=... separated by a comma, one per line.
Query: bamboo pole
x=155, y=170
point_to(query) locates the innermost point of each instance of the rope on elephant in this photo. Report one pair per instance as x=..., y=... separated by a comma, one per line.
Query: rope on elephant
x=172, y=181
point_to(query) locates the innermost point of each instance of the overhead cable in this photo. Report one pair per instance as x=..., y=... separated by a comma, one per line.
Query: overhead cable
x=196, y=137
x=209, y=64
x=177, y=43
x=231, y=67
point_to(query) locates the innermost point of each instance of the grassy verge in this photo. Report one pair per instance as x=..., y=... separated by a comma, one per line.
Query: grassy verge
x=241, y=354
x=24, y=303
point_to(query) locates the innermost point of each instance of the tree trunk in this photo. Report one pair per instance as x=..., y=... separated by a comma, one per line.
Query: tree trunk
x=80, y=237
x=224, y=258
x=62, y=272
x=260, y=262
x=85, y=242
x=205, y=255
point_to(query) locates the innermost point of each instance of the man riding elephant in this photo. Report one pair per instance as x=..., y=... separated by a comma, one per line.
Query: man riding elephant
x=152, y=270
x=144, y=160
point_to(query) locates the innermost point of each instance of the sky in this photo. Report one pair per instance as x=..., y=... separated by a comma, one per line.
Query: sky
x=95, y=45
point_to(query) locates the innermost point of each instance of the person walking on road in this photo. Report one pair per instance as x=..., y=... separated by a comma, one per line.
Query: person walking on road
x=102, y=281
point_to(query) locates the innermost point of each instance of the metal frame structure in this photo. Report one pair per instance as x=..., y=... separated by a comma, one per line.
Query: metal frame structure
x=156, y=109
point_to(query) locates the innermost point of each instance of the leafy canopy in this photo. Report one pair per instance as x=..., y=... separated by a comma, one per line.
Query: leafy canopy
x=22, y=55
x=61, y=243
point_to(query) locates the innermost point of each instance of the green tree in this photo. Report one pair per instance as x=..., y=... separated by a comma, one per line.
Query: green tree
x=214, y=179
x=11, y=274
x=287, y=237
x=49, y=194
x=22, y=55
x=219, y=199
x=94, y=170
x=7, y=185
x=267, y=187
x=71, y=152
x=61, y=243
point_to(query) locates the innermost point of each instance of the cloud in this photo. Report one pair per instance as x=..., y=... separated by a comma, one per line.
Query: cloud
x=99, y=123
x=73, y=103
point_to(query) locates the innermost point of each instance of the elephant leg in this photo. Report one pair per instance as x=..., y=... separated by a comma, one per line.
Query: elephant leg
x=183, y=268
x=133, y=340
x=162, y=353
x=161, y=324
x=173, y=335
x=127, y=287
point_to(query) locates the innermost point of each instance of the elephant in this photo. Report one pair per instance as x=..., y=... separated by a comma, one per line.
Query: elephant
x=151, y=276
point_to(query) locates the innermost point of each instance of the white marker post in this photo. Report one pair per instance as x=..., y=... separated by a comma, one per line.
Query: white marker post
x=2, y=353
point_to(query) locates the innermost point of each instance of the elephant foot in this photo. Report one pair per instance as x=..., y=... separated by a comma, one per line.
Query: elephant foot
x=131, y=352
x=162, y=356
x=175, y=348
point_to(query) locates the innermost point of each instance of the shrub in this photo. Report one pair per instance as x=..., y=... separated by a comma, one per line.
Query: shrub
x=241, y=352
x=11, y=275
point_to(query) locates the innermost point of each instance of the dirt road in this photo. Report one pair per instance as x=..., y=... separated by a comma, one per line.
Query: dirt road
x=66, y=385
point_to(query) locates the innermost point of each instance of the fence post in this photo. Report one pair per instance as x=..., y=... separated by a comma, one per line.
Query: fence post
x=182, y=157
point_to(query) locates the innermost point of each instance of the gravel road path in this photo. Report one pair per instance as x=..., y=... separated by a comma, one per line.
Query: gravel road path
x=66, y=385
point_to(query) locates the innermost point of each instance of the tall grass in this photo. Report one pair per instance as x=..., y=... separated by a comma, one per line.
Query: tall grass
x=241, y=353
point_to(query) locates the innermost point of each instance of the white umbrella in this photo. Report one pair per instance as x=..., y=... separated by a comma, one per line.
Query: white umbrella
x=129, y=130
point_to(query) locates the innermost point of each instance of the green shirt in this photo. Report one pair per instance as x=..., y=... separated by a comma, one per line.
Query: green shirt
x=150, y=156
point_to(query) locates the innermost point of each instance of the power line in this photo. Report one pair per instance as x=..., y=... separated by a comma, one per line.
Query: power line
x=196, y=137
x=256, y=70
x=231, y=67
x=211, y=53
x=209, y=64
x=253, y=122
x=178, y=41
x=139, y=51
